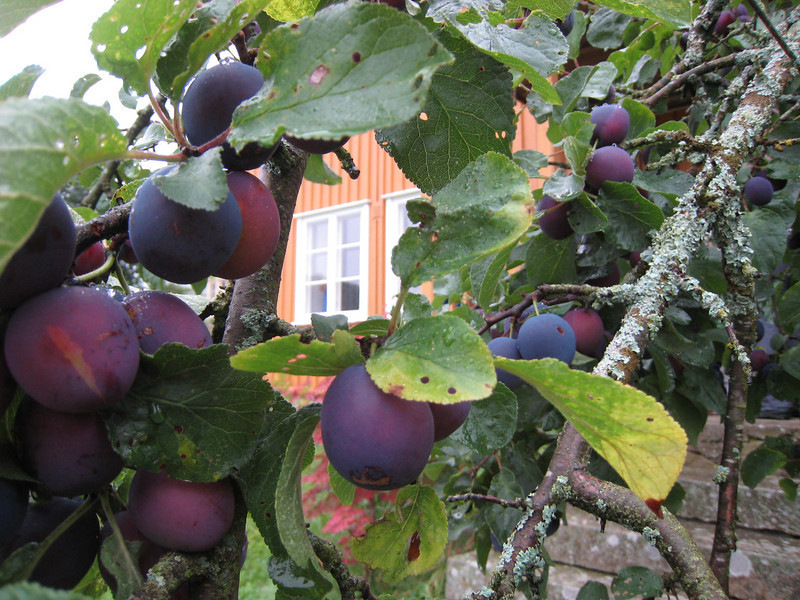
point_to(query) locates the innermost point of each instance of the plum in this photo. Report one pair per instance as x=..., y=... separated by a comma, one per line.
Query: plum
x=758, y=191
x=507, y=348
x=448, y=417
x=553, y=222
x=588, y=328
x=547, y=336
x=90, y=259
x=609, y=163
x=611, y=124
x=161, y=318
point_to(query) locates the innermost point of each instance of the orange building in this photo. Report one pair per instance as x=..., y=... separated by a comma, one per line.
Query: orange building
x=338, y=259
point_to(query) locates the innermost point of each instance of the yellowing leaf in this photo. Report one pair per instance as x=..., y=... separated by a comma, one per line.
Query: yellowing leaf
x=628, y=428
x=408, y=541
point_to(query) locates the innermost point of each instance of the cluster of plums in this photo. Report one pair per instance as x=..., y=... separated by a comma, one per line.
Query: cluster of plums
x=377, y=440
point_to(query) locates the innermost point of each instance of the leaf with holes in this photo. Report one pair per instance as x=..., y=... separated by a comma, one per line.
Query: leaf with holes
x=435, y=359
x=128, y=39
x=408, y=541
x=20, y=85
x=351, y=68
x=483, y=210
x=469, y=111
x=628, y=428
x=43, y=143
x=291, y=356
x=189, y=413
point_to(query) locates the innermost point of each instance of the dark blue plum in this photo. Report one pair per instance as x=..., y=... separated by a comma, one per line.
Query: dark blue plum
x=507, y=348
x=162, y=318
x=44, y=260
x=13, y=505
x=609, y=163
x=553, y=221
x=547, y=336
x=71, y=556
x=375, y=440
x=178, y=243
x=208, y=107
x=758, y=191
x=448, y=417
x=611, y=124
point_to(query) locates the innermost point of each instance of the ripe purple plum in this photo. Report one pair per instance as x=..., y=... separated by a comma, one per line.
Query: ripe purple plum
x=448, y=417
x=317, y=146
x=71, y=556
x=13, y=506
x=90, y=259
x=609, y=163
x=759, y=359
x=547, y=336
x=208, y=106
x=758, y=191
x=178, y=243
x=72, y=349
x=44, y=259
x=588, y=328
x=554, y=222
x=187, y=516
x=375, y=440
x=261, y=226
x=507, y=348
x=161, y=318
x=70, y=454
x=611, y=124
x=725, y=20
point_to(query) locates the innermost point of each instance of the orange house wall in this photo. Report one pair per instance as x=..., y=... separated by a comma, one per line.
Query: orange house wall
x=379, y=176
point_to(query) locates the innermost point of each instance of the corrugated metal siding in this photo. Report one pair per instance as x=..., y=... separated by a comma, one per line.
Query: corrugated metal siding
x=379, y=176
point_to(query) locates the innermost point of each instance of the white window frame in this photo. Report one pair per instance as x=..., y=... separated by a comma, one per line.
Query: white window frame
x=302, y=311
x=394, y=210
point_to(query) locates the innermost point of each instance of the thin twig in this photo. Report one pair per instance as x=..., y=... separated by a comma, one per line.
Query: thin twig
x=758, y=7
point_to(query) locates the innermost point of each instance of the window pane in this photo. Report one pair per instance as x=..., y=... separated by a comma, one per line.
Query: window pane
x=318, y=234
x=350, y=259
x=350, y=293
x=318, y=266
x=349, y=229
x=318, y=298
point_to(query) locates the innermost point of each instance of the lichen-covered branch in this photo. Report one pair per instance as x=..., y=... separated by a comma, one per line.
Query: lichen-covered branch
x=350, y=586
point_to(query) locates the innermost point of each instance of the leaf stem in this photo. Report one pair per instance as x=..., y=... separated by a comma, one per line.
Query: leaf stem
x=401, y=298
x=131, y=566
x=101, y=270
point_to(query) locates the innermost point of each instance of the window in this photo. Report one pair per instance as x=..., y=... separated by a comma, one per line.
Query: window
x=331, y=263
x=397, y=222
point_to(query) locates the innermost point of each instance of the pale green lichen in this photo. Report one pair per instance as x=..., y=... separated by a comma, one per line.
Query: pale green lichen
x=528, y=561
x=651, y=535
x=721, y=476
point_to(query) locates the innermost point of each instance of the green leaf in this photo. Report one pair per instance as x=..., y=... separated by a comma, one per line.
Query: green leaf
x=291, y=10
x=83, y=84
x=15, y=12
x=435, y=359
x=351, y=68
x=289, y=355
x=759, y=463
x=631, y=217
x=555, y=9
x=318, y=171
x=607, y=28
x=669, y=182
x=189, y=413
x=532, y=161
x=768, y=225
x=371, y=328
x=20, y=85
x=636, y=582
x=790, y=361
x=502, y=520
x=408, y=541
x=789, y=488
x=469, y=111
x=198, y=182
x=126, y=573
x=325, y=327
x=491, y=422
x=43, y=143
x=592, y=590
x=585, y=216
x=487, y=207
x=674, y=12
x=628, y=428
x=485, y=275
x=563, y=186
x=642, y=118
x=344, y=490
x=289, y=508
x=789, y=308
x=551, y=261
x=127, y=40
x=33, y=591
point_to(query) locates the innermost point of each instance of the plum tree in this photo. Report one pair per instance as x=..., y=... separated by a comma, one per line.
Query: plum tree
x=547, y=336
x=71, y=555
x=553, y=221
x=179, y=243
x=611, y=124
x=70, y=454
x=43, y=261
x=375, y=440
x=161, y=318
x=181, y=515
x=609, y=163
x=72, y=349
x=261, y=226
x=448, y=417
x=507, y=348
x=588, y=328
x=208, y=106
